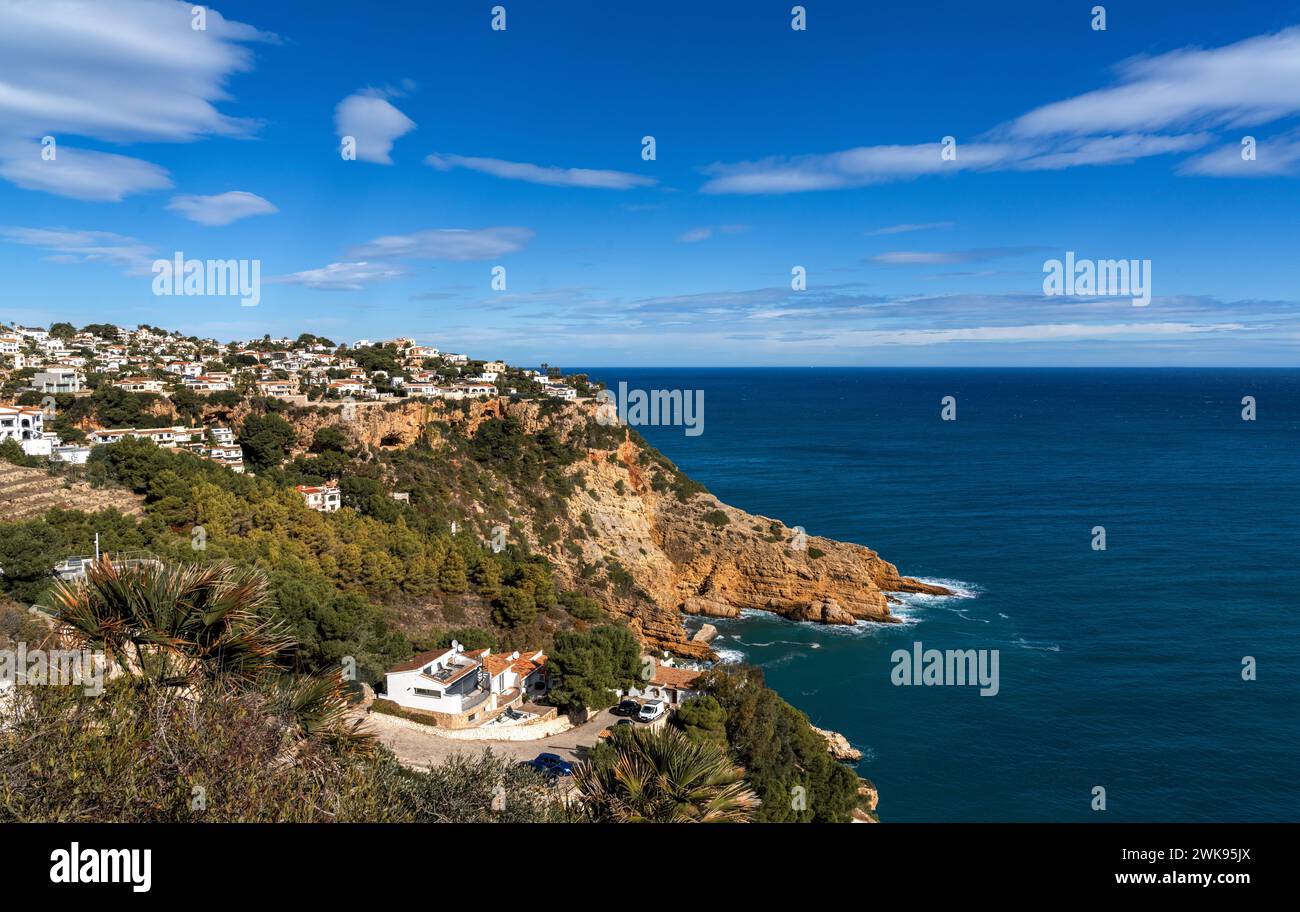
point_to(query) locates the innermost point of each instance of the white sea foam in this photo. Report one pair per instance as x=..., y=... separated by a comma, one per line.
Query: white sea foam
x=1041, y=647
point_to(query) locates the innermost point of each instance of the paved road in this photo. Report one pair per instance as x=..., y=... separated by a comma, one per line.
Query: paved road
x=419, y=749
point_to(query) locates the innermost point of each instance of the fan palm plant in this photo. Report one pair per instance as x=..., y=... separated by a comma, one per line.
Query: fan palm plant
x=195, y=628
x=664, y=777
x=174, y=624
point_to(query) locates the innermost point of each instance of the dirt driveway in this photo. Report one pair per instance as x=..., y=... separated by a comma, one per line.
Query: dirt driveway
x=416, y=748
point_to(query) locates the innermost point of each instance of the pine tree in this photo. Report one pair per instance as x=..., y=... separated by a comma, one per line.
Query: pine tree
x=451, y=577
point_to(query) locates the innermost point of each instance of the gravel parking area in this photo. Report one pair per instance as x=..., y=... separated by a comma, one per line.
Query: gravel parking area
x=416, y=748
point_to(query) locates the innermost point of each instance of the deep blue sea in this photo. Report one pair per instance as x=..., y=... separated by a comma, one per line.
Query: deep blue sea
x=1119, y=668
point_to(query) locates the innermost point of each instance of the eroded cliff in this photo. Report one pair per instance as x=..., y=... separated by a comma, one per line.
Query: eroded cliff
x=659, y=546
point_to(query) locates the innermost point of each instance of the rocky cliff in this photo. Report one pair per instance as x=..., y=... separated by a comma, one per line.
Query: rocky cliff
x=668, y=547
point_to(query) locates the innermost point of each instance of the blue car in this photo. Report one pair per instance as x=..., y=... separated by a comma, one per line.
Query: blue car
x=551, y=765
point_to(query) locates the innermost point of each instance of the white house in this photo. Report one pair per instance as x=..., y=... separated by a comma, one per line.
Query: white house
x=467, y=685
x=21, y=423
x=140, y=385
x=222, y=436
x=466, y=390
x=9, y=344
x=560, y=391
x=673, y=685
x=277, y=389
x=185, y=368
x=322, y=498
x=57, y=379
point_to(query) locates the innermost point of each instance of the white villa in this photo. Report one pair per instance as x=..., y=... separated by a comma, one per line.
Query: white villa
x=57, y=379
x=21, y=423
x=467, y=687
x=671, y=684
x=165, y=437
x=140, y=385
x=322, y=498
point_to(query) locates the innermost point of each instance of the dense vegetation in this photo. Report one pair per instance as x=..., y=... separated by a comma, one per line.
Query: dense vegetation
x=374, y=581
x=204, y=721
x=786, y=760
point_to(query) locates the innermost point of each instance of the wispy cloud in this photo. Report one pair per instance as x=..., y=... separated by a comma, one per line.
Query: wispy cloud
x=908, y=227
x=221, y=209
x=948, y=257
x=541, y=174
x=99, y=177
x=1274, y=156
x=1251, y=82
x=373, y=122
x=695, y=235
x=67, y=245
x=342, y=276
x=1163, y=105
x=455, y=244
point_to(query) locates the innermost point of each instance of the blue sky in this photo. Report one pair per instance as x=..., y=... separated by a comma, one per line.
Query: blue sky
x=775, y=148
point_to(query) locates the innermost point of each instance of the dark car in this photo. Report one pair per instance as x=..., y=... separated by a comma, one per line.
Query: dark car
x=551, y=765
x=627, y=708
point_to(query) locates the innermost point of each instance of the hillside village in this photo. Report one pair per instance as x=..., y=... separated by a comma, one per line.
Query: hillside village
x=39, y=366
x=495, y=563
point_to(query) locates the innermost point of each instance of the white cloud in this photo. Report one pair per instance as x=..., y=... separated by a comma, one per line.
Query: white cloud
x=1109, y=150
x=1251, y=82
x=947, y=257
x=1190, y=92
x=457, y=244
x=1278, y=155
x=370, y=119
x=78, y=173
x=909, y=227
x=852, y=168
x=221, y=209
x=1048, y=332
x=341, y=276
x=68, y=245
x=114, y=70
x=541, y=174
x=124, y=70
x=695, y=235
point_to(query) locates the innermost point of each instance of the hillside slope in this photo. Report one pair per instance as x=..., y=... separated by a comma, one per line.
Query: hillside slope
x=641, y=537
x=27, y=493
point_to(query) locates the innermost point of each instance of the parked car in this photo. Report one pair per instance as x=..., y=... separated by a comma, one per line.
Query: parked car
x=627, y=708
x=551, y=765
x=651, y=710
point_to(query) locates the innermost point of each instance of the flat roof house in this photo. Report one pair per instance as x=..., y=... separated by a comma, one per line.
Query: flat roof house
x=56, y=379
x=140, y=385
x=466, y=688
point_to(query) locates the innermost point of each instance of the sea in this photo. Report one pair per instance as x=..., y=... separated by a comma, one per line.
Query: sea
x=1156, y=678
